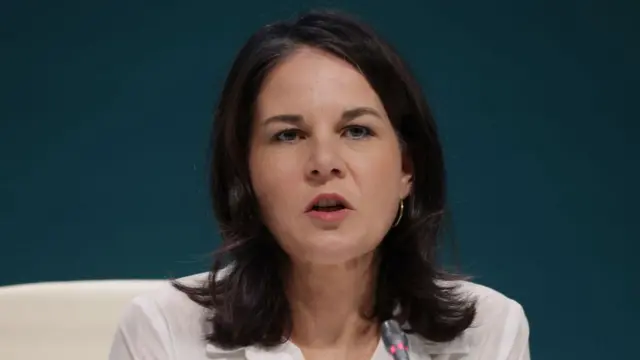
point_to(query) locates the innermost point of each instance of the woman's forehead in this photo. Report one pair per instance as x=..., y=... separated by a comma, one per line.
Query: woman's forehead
x=313, y=80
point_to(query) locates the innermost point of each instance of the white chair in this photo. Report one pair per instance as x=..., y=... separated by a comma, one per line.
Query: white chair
x=73, y=320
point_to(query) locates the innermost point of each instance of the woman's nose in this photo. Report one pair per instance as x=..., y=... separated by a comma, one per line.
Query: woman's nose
x=325, y=161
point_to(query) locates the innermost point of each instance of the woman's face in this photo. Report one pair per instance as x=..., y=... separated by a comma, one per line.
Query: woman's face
x=326, y=165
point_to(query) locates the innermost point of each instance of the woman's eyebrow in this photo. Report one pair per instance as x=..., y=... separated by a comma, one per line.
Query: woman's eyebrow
x=347, y=116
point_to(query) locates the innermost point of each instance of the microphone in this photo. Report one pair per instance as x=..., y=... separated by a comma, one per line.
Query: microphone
x=395, y=340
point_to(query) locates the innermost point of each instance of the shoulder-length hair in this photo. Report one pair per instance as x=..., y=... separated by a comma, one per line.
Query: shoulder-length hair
x=248, y=303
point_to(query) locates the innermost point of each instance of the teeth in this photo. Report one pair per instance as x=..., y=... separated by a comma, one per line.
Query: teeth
x=327, y=202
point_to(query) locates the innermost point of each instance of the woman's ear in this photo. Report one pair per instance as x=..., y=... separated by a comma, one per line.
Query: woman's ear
x=406, y=180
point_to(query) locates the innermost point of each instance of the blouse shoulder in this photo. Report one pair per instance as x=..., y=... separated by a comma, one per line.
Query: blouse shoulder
x=500, y=327
x=169, y=301
x=152, y=322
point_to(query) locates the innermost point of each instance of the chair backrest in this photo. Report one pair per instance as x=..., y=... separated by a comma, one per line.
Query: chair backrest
x=64, y=320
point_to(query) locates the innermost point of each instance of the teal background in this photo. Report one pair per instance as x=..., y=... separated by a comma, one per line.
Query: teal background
x=105, y=111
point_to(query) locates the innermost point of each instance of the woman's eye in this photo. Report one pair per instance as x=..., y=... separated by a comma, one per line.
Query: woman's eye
x=289, y=135
x=357, y=132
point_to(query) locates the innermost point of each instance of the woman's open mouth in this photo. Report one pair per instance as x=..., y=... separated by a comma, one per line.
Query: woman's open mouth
x=329, y=208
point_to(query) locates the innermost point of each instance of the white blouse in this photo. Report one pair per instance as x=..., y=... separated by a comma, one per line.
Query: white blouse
x=167, y=325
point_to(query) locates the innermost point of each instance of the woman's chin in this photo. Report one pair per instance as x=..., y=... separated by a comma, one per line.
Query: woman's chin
x=332, y=252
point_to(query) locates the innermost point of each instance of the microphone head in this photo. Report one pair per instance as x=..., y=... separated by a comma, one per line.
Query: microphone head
x=394, y=339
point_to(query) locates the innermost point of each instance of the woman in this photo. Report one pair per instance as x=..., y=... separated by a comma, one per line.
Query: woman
x=328, y=186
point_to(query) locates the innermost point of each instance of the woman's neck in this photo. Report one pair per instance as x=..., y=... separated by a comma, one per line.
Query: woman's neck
x=328, y=302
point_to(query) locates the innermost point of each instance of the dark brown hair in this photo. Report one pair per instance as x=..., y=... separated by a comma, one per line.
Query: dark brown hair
x=248, y=301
